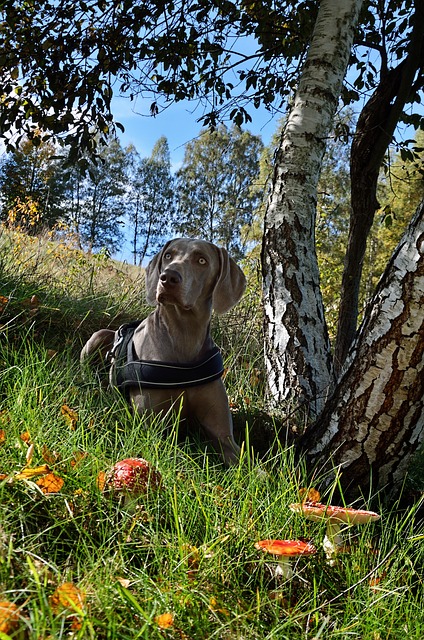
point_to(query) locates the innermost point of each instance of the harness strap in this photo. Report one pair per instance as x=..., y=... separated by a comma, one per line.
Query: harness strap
x=128, y=371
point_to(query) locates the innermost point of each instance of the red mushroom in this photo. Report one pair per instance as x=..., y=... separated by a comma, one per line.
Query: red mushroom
x=335, y=517
x=133, y=476
x=285, y=550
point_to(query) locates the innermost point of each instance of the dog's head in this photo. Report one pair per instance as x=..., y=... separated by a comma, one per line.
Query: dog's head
x=188, y=272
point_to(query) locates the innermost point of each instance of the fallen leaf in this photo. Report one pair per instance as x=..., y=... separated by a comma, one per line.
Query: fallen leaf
x=77, y=456
x=2, y=436
x=124, y=582
x=67, y=596
x=29, y=454
x=51, y=457
x=30, y=472
x=70, y=416
x=309, y=495
x=374, y=582
x=9, y=617
x=101, y=480
x=165, y=620
x=25, y=437
x=214, y=606
x=50, y=483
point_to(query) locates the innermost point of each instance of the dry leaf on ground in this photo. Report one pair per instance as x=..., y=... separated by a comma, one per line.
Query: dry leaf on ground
x=9, y=617
x=50, y=483
x=165, y=620
x=67, y=596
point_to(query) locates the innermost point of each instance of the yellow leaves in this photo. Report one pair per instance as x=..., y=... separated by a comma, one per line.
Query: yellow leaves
x=71, y=416
x=49, y=482
x=30, y=472
x=9, y=617
x=25, y=213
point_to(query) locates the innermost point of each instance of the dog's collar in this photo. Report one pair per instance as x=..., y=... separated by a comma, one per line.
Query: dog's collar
x=128, y=371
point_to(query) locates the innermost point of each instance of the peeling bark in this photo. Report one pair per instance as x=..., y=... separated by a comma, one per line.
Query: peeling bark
x=297, y=348
x=374, y=421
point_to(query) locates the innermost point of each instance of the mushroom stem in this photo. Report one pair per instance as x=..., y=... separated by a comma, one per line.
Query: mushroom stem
x=332, y=540
x=284, y=568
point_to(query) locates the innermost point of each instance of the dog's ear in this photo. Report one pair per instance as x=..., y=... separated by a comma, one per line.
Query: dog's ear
x=152, y=274
x=230, y=285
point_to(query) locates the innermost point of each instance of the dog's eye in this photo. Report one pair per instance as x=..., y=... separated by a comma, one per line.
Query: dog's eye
x=202, y=261
x=167, y=256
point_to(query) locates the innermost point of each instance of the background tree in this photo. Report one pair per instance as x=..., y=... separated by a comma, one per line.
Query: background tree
x=32, y=183
x=152, y=199
x=96, y=201
x=214, y=187
x=398, y=36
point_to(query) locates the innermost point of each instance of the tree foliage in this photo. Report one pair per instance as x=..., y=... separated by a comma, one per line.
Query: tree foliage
x=152, y=201
x=62, y=62
x=214, y=187
x=94, y=207
x=32, y=184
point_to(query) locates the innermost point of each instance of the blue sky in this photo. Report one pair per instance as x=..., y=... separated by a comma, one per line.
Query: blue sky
x=178, y=124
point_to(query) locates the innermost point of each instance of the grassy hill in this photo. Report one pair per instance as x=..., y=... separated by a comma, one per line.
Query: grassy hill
x=179, y=562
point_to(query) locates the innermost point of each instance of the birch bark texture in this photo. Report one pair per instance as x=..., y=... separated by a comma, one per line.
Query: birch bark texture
x=297, y=347
x=375, y=420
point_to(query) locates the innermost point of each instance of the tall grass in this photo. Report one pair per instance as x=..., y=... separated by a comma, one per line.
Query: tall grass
x=178, y=562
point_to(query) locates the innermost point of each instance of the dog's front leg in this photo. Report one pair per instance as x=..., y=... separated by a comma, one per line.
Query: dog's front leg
x=209, y=404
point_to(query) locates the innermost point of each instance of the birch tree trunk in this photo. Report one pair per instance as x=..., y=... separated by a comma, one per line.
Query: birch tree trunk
x=375, y=419
x=297, y=348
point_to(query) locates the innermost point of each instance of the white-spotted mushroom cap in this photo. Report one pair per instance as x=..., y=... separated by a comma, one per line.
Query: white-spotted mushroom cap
x=317, y=511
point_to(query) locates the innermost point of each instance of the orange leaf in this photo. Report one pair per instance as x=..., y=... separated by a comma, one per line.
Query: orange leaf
x=70, y=416
x=9, y=617
x=165, y=620
x=67, y=596
x=2, y=436
x=101, y=480
x=25, y=437
x=309, y=495
x=50, y=483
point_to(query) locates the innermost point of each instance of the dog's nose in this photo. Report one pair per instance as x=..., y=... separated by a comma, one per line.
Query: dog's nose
x=170, y=278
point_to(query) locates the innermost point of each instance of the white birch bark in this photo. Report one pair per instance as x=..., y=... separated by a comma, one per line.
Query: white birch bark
x=297, y=349
x=375, y=420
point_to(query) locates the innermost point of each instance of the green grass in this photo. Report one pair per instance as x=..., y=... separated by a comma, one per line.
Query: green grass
x=187, y=549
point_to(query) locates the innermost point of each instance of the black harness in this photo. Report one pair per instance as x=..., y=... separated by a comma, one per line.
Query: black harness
x=128, y=371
